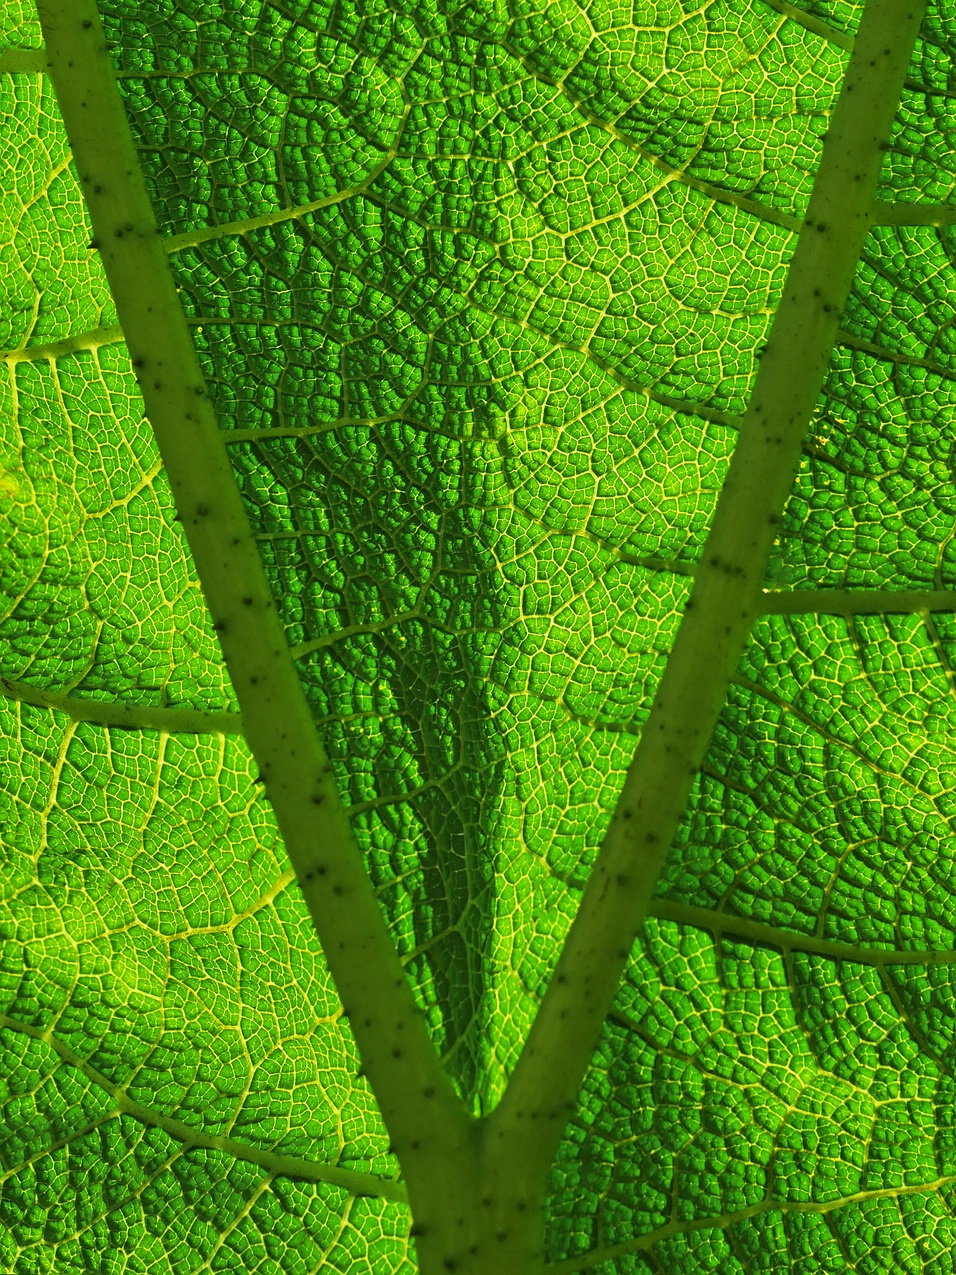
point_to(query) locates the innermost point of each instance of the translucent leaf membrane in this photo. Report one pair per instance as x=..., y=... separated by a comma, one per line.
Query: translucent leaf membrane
x=479, y=294
x=97, y=1191
x=435, y=387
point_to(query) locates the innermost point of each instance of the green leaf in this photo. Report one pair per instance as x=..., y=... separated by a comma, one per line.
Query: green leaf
x=577, y=427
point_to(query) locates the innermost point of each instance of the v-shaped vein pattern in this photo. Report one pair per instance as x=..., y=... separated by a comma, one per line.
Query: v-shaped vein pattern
x=539, y=252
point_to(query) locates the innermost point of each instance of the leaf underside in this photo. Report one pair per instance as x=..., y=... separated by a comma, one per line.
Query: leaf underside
x=479, y=297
